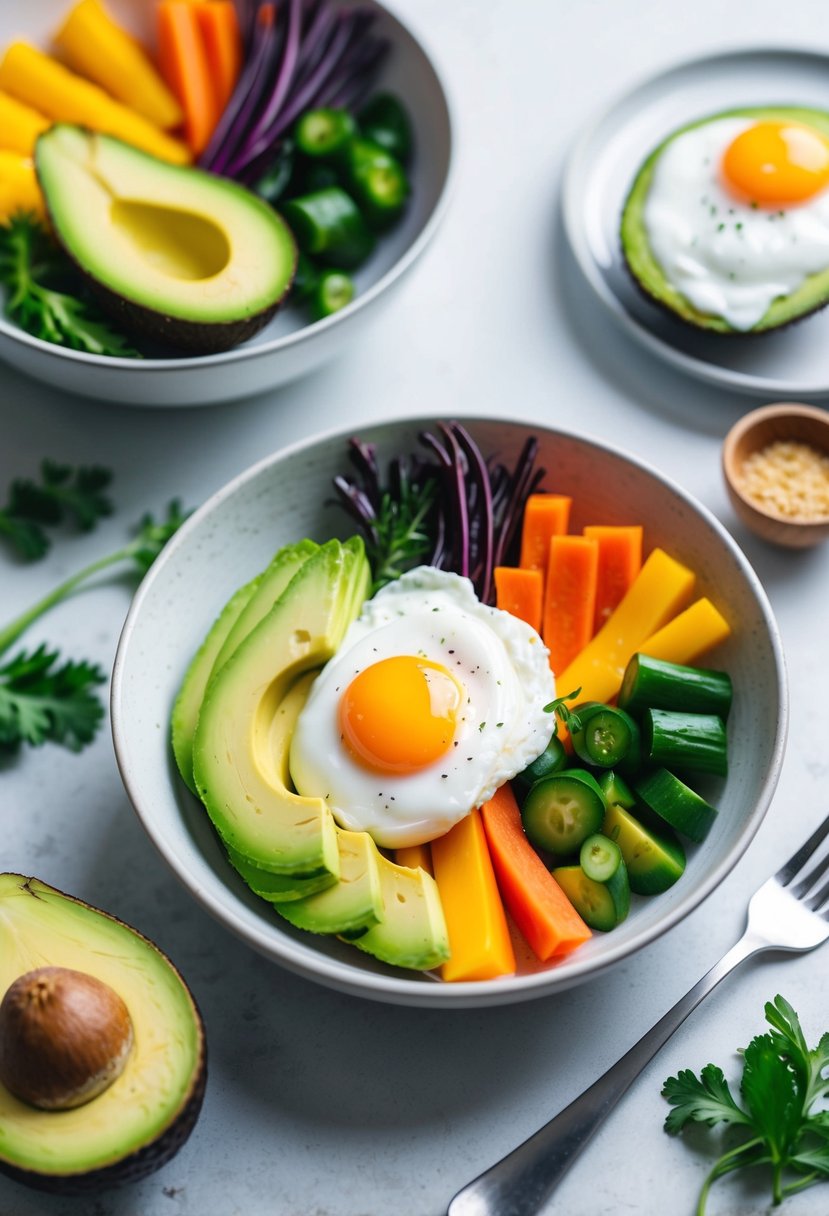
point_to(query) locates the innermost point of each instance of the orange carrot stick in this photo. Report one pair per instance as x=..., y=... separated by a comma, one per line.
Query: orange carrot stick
x=184, y=65
x=479, y=939
x=569, y=598
x=219, y=28
x=536, y=902
x=545, y=516
x=620, y=560
x=520, y=592
x=415, y=856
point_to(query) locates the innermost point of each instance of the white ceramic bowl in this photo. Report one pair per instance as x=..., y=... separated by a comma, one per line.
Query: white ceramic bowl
x=286, y=497
x=289, y=346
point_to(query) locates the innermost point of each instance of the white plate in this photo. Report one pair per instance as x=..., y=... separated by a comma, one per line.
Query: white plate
x=286, y=497
x=289, y=346
x=793, y=362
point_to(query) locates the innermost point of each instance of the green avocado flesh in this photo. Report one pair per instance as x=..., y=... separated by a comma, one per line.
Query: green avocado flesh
x=162, y=1083
x=232, y=727
x=812, y=294
x=184, y=257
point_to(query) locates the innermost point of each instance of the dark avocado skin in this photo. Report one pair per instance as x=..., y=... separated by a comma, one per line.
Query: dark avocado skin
x=157, y=1152
x=810, y=297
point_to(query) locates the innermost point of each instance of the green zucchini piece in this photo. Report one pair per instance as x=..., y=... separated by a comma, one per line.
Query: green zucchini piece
x=385, y=121
x=562, y=810
x=606, y=737
x=656, y=684
x=324, y=132
x=600, y=857
x=329, y=225
x=676, y=803
x=616, y=790
x=333, y=290
x=376, y=179
x=655, y=859
x=684, y=741
x=601, y=905
x=552, y=759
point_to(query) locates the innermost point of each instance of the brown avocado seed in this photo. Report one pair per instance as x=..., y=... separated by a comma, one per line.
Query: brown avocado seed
x=64, y=1037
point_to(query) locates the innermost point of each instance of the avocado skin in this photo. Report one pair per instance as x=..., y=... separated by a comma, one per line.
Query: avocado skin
x=647, y=275
x=157, y=1152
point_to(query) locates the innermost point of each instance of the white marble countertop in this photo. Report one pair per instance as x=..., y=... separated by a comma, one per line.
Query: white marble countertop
x=324, y=1105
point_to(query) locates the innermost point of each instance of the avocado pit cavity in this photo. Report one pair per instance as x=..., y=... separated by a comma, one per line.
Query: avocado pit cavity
x=64, y=1038
x=181, y=244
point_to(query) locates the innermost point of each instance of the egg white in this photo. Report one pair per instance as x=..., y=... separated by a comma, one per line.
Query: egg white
x=504, y=668
x=727, y=258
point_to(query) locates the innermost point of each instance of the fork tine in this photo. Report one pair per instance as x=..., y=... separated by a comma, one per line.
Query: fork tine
x=810, y=879
x=796, y=863
x=819, y=902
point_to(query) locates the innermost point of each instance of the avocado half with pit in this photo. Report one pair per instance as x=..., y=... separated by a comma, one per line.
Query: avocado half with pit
x=143, y=1117
x=809, y=297
x=185, y=258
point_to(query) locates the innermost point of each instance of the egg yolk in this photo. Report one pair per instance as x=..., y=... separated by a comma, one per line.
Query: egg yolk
x=773, y=163
x=399, y=715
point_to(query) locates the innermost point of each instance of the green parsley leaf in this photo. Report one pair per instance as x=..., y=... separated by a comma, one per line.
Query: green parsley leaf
x=782, y=1080
x=43, y=701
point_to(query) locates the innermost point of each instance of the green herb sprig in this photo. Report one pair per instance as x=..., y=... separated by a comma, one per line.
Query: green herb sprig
x=61, y=493
x=783, y=1082
x=31, y=266
x=563, y=712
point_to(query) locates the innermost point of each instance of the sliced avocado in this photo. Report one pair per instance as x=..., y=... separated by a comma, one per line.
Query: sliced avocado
x=412, y=932
x=189, y=259
x=811, y=295
x=243, y=610
x=353, y=904
x=147, y=1113
x=239, y=777
x=278, y=887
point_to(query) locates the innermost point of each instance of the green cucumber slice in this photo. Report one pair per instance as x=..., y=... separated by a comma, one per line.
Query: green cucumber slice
x=695, y=742
x=552, y=759
x=600, y=857
x=606, y=737
x=655, y=860
x=676, y=803
x=601, y=905
x=563, y=810
x=616, y=790
x=657, y=684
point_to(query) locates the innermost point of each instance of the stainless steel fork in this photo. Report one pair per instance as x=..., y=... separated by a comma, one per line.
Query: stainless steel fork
x=789, y=912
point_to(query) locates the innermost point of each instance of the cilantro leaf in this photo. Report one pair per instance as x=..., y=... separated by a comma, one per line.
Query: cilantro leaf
x=706, y=1099
x=29, y=262
x=61, y=492
x=43, y=701
x=781, y=1082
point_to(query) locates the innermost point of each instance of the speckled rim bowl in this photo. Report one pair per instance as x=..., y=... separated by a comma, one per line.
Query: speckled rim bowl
x=289, y=346
x=286, y=497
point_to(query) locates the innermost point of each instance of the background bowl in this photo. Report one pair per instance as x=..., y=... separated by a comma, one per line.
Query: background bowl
x=286, y=497
x=289, y=346
x=783, y=422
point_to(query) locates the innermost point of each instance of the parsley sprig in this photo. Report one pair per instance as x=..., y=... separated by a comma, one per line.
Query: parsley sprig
x=31, y=266
x=61, y=493
x=782, y=1083
x=42, y=699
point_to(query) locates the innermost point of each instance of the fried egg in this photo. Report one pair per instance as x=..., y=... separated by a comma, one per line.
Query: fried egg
x=432, y=701
x=737, y=214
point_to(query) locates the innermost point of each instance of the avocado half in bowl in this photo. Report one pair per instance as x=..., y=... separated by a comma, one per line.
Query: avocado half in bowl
x=716, y=225
x=290, y=343
x=209, y=576
x=103, y=1059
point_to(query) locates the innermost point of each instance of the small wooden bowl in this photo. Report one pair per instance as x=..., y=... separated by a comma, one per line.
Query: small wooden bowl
x=785, y=420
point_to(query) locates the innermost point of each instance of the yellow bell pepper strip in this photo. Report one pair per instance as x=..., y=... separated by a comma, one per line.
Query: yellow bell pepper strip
x=20, y=125
x=38, y=80
x=689, y=635
x=97, y=47
x=19, y=190
x=661, y=589
x=415, y=857
x=479, y=938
